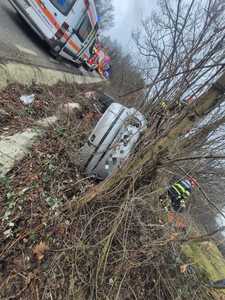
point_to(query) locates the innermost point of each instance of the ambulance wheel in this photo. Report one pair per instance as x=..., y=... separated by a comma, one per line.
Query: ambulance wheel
x=86, y=68
x=55, y=54
x=77, y=65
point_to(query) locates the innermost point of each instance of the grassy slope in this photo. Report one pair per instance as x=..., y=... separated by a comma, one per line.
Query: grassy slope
x=209, y=259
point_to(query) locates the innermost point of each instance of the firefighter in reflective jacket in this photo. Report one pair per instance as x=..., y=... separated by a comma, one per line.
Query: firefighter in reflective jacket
x=180, y=191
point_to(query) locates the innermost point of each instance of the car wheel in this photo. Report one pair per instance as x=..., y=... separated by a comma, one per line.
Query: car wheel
x=105, y=101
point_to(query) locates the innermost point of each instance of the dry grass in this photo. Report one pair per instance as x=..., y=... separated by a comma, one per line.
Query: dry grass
x=119, y=246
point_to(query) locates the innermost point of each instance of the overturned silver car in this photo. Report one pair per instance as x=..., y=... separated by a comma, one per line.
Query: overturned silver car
x=112, y=140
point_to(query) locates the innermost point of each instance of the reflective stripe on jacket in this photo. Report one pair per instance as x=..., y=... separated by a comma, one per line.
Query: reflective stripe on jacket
x=182, y=188
x=183, y=191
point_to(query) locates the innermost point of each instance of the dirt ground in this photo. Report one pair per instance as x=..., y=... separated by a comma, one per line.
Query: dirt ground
x=40, y=183
x=117, y=247
x=45, y=104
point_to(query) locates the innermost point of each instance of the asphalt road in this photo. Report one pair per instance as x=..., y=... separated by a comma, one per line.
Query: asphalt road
x=20, y=43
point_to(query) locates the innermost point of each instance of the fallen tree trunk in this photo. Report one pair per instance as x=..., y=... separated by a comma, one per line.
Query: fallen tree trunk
x=163, y=145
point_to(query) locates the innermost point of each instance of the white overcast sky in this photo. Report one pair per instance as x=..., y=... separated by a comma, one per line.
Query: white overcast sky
x=128, y=14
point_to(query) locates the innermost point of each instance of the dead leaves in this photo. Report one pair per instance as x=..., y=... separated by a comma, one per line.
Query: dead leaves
x=39, y=251
x=178, y=220
x=174, y=236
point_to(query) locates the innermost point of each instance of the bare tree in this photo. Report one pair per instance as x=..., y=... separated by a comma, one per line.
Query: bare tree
x=125, y=73
x=112, y=240
x=182, y=48
x=105, y=11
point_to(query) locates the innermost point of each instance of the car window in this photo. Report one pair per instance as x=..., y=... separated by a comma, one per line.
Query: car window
x=84, y=28
x=64, y=6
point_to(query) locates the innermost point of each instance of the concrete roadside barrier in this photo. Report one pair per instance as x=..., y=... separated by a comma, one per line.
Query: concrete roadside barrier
x=13, y=148
x=13, y=72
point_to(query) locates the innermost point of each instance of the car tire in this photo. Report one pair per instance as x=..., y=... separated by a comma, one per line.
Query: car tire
x=105, y=101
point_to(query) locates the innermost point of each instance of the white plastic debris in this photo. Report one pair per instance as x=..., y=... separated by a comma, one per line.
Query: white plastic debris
x=27, y=99
x=11, y=224
x=8, y=233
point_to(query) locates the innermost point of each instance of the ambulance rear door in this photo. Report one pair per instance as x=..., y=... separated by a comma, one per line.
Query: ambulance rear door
x=60, y=12
x=54, y=11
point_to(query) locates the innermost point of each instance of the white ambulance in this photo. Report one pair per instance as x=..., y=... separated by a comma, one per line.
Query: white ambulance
x=68, y=26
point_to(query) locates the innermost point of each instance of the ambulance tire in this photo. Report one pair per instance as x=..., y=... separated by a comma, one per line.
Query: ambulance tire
x=86, y=68
x=55, y=55
x=77, y=65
